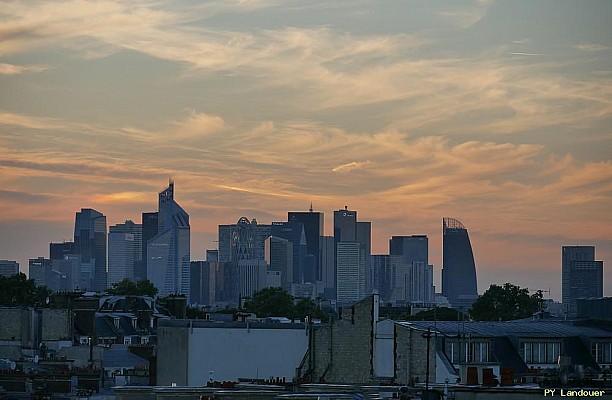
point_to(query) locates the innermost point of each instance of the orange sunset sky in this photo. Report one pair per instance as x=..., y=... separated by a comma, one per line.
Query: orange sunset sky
x=497, y=113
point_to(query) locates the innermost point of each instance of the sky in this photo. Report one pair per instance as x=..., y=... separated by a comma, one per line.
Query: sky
x=497, y=113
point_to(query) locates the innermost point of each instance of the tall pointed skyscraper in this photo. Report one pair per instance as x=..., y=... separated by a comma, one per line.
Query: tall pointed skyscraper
x=458, y=270
x=90, y=244
x=168, y=253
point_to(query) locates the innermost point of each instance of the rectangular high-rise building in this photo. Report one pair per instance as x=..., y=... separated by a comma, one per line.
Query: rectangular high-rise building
x=149, y=231
x=328, y=267
x=314, y=229
x=204, y=282
x=90, y=244
x=57, y=251
x=383, y=276
x=413, y=282
x=293, y=231
x=351, y=279
x=124, y=251
x=581, y=275
x=39, y=270
x=348, y=230
x=279, y=256
x=9, y=267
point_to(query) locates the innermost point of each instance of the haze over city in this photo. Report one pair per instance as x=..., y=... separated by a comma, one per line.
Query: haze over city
x=498, y=113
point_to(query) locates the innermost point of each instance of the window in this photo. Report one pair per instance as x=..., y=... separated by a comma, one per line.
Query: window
x=467, y=351
x=602, y=352
x=540, y=352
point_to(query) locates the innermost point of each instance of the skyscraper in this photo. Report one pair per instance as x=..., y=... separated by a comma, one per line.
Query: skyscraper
x=458, y=268
x=124, y=251
x=90, y=244
x=43, y=275
x=279, y=256
x=350, y=267
x=351, y=236
x=413, y=282
x=149, y=231
x=383, y=276
x=313, y=227
x=581, y=276
x=243, y=240
x=9, y=267
x=328, y=268
x=293, y=231
x=168, y=263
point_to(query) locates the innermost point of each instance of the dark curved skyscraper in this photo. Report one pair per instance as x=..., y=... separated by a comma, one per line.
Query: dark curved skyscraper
x=458, y=270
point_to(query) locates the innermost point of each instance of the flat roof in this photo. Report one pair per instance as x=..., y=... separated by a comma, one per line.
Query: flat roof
x=198, y=323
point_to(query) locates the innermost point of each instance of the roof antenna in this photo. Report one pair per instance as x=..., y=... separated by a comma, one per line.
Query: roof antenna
x=310, y=209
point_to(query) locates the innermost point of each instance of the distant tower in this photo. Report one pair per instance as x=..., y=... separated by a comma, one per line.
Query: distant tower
x=124, y=251
x=279, y=256
x=352, y=241
x=581, y=276
x=243, y=240
x=293, y=231
x=413, y=274
x=313, y=227
x=90, y=244
x=168, y=253
x=149, y=231
x=458, y=269
x=9, y=267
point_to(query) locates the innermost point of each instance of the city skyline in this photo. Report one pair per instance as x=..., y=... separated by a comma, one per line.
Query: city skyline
x=494, y=113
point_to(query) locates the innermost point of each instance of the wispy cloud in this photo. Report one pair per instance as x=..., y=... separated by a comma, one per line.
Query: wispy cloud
x=350, y=166
x=12, y=69
x=591, y=47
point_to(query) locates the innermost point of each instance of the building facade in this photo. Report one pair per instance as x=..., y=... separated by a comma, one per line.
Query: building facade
x=314, y=229
x=413, y=281
x=350, y=237
x=458, y=267
x=243, y=240
x=9, y=267
x=581, y=276
x=168, y=253
x=90, y=243
x=124, y=251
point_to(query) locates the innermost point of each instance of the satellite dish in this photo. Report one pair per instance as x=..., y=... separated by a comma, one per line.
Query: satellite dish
x=47, y=300
x=12, y=365
x=36, y=359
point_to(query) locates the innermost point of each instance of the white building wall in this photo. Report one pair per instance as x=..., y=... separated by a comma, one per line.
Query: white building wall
x=244, y=353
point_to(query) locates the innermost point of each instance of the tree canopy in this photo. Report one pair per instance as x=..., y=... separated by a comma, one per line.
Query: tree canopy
x=128, y=287
x=278, y=302
x=505, y=303
x=18, y=290
x=438, y=314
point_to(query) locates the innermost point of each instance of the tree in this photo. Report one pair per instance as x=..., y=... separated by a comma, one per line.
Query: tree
x=128, y=287
x=17, y=290
x=277, y=302
x=439, y=314
x=307, y=307
x=273, y=301
x=505, y=302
